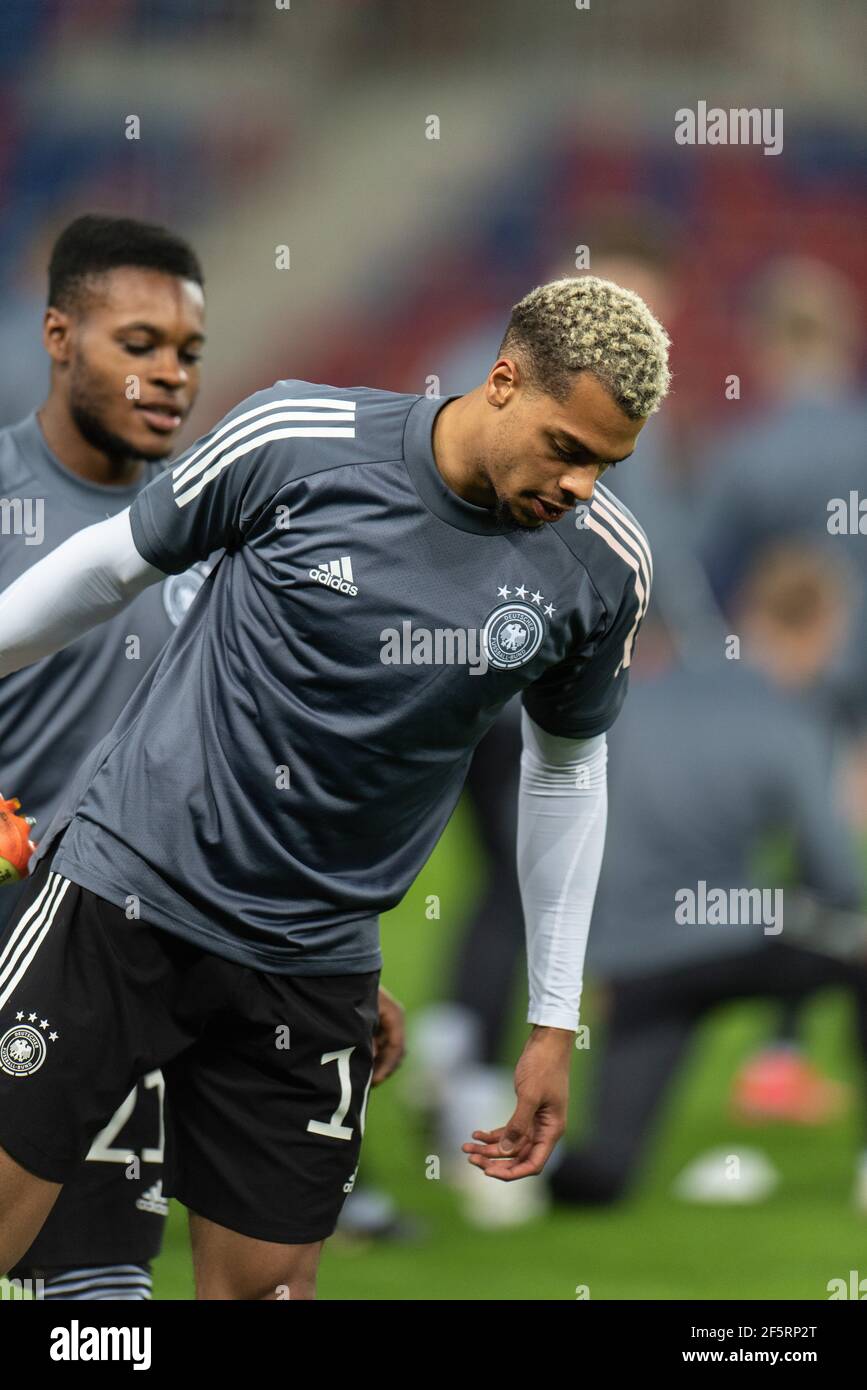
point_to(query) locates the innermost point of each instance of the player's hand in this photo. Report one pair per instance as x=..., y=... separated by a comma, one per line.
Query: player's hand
x=521, y=1148
x=389, y=1039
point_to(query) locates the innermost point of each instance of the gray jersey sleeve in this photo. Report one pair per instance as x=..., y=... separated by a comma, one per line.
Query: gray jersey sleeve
x=583, y=694
x=213, y=495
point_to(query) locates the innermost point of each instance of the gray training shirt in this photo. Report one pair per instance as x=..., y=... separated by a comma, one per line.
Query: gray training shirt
x=54, y=712
x=284, y=771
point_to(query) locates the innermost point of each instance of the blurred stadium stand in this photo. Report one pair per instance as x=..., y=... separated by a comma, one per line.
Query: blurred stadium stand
x=399, y=244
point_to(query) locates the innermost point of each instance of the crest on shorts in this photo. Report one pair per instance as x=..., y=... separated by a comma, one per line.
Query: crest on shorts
x=22, y=1050
x=512, y=635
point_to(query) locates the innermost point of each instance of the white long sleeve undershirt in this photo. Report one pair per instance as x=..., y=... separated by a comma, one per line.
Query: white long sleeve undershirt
x=562, y=815
x=86, y=580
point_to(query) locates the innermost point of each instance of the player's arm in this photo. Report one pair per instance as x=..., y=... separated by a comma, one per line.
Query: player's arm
x=562, y=813
x=561, y=835
x=82, y=583
x=206, y=501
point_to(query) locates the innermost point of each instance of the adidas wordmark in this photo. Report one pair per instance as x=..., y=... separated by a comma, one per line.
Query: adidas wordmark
x=336, y=574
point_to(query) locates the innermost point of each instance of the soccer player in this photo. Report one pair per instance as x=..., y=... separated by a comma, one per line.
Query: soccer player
x=206, y=900
x=124, y=332
x=457, y=1046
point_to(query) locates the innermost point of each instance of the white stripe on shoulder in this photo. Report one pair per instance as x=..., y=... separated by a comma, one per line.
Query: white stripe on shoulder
x=331, y=409
x=292, y=432
x=598, y=524
x=228, y=434
x=615, y=520
x=642, y=594
x=604, y=494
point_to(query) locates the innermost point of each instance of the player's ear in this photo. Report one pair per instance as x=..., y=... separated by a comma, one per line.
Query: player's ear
x=503, y=377
x=56, y=335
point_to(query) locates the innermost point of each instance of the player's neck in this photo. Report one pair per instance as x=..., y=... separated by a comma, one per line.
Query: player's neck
x=78, y=455
x=452, y=429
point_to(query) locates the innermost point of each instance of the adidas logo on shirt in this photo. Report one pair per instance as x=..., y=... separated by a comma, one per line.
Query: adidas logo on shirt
x=153, y=1200
x=336, y=574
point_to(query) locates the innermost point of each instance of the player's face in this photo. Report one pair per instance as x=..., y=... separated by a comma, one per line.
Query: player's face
x=546, y=455
x=134, y=361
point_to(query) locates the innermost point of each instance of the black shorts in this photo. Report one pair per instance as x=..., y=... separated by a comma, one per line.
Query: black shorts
x=109, y=1213
x=266, y=1076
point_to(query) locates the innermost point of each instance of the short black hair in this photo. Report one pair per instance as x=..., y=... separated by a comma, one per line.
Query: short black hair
x=94, y=244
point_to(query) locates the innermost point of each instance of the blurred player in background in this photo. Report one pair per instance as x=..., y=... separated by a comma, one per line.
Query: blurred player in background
x=124, y=331
x=706, y=766
x=773, y=476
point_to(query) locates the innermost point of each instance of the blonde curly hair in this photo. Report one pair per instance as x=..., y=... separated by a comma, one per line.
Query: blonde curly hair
x=590, y=325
